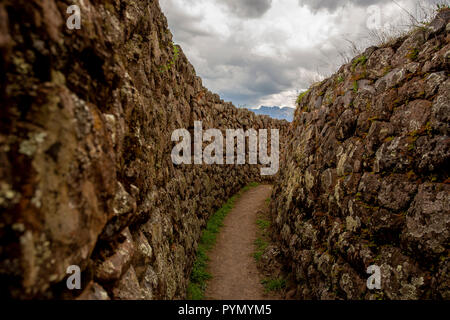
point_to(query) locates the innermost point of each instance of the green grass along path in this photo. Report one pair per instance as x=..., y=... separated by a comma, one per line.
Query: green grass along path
x=225, y=266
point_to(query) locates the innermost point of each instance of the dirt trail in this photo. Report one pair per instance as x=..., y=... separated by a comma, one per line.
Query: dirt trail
x=235, y=276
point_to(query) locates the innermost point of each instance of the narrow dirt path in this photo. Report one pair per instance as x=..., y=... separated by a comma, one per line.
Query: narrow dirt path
x=234, y=271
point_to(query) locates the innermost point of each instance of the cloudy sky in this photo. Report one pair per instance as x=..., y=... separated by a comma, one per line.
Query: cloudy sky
x=263, y=52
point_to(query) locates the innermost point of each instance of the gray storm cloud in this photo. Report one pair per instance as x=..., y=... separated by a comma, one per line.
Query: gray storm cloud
x=248, y=8
x=332, y=5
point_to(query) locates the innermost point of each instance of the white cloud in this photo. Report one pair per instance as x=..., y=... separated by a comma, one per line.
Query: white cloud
x=255, y=52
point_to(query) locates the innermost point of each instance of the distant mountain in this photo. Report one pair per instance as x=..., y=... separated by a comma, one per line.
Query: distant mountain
x=285, y=113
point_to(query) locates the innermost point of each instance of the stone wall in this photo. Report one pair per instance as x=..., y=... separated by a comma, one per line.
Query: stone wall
x=86, y=176
x=366, y=180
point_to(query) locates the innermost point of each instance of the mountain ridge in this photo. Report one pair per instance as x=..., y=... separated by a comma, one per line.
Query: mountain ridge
x=276, y=112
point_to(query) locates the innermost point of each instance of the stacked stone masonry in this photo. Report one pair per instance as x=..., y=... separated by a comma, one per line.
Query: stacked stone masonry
x=366, y=179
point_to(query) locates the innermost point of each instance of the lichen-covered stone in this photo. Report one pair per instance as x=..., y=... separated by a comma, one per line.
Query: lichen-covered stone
x=94, y=292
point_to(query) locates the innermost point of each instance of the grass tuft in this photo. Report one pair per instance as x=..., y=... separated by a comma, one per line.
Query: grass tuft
x=274, y=284
x=301, y=96
x=262, y=242
x=413, y=54
x=355, y=86
x=263, y=224
x=260, y=245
